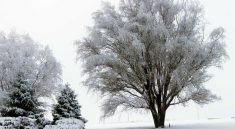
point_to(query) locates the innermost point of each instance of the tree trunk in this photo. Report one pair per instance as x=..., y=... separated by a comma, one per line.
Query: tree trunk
x=158, y=118
x=161, y=117
x=155, y=118
x=2, y=86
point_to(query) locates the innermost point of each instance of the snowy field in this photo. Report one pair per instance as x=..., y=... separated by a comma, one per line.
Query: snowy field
x=205, y=124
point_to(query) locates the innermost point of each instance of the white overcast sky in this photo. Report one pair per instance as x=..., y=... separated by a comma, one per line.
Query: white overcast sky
x=58, y=23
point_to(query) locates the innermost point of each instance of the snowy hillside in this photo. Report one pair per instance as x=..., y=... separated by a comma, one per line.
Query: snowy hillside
x=203, y=124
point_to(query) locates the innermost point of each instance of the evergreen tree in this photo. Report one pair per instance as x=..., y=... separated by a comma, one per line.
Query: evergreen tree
x=22, y=100
x=67, y=105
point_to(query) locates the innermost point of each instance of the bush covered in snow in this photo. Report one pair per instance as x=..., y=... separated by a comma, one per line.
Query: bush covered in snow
x=41, y=121
x=17, y=123
x=67, y=123
x=35, y=122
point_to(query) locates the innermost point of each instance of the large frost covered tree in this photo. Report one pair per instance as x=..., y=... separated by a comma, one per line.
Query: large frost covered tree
x=67, y=105
x=151, y=54
x=19, y=53
x=22, y=100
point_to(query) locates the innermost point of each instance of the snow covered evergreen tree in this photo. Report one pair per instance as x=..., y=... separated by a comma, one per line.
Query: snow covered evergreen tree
x=67, y=105
x=22, y=100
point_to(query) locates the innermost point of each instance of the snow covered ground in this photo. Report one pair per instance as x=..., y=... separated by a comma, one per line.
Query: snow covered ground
x=202, y=124
x=67, y=123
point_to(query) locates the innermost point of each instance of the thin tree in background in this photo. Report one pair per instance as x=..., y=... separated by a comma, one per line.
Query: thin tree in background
x=19, y=52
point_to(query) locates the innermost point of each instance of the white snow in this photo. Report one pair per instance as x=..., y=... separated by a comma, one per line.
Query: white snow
x=202, y=124
x=13, y=122
x=67, y=123
x=77, y=124
x=206, y=124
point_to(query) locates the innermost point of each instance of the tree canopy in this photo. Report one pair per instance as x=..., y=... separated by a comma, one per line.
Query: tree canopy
x=150, y=54
x=19, y=53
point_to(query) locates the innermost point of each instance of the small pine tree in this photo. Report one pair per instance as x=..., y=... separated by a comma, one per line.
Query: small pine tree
x=22, y=100
x=67, y=105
